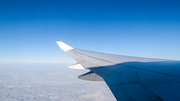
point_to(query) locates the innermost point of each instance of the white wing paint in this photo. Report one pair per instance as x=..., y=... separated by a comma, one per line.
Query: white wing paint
x=130, y=78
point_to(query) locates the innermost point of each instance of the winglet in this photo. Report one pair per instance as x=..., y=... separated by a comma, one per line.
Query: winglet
x=64, y=46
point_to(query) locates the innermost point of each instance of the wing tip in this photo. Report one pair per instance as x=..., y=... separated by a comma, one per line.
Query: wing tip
x=64, y=46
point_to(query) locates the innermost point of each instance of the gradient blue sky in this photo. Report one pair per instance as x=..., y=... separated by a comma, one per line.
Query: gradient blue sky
x=29, y=29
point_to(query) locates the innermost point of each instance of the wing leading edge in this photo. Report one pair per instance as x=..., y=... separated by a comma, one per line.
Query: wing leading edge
x=129, y=78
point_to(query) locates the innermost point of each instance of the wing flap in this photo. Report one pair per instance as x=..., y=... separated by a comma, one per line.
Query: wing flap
x=120, y=94
x=133, y=92
x=91, y=76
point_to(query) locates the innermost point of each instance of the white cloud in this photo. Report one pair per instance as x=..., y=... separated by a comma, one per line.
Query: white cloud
x=49, y=83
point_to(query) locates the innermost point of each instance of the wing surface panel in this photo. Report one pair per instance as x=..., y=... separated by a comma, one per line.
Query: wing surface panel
x=126, y=85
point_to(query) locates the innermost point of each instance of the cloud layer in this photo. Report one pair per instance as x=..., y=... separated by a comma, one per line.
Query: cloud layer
x=48, y=82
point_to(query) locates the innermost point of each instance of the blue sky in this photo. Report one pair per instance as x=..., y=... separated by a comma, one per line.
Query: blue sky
x=29, y=29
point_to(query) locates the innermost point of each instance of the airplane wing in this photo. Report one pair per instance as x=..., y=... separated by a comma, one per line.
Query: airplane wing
x=129, y=78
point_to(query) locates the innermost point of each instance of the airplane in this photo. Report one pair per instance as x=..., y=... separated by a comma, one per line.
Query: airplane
x=129, y=78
